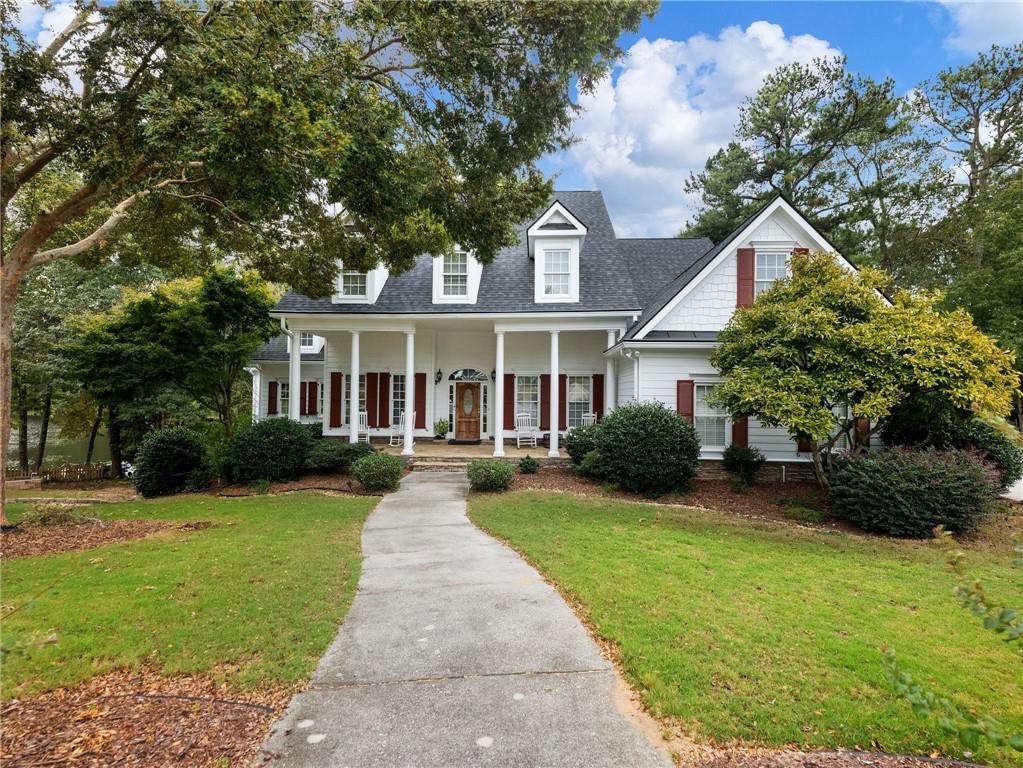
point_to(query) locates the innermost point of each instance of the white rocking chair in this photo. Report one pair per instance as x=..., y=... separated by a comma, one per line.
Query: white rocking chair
x=397, y=431
x=525, y=435
x=362, y=436
x=589, y=419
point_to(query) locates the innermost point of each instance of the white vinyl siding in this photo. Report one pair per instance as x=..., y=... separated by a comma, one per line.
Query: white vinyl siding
x=579, y=390
x=770, y=266
x=527, y=397
x=556, y=273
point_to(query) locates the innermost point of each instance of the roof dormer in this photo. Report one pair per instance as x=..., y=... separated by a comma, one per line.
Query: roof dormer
x=456, y=277
x=555, y=241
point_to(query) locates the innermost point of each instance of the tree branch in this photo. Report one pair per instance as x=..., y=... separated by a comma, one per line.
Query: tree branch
x=80, y=20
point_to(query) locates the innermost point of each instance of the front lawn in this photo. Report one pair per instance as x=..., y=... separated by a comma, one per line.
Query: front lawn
x=766, y=633
x=254, y=599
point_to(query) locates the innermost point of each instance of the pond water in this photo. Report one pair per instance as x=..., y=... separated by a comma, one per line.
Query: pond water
x=58, y=450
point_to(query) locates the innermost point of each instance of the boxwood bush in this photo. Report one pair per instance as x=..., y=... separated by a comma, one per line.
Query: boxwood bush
x=325, y=457
x=490, y=475
x=1000, y=448
x=743, y=462
x=647, y=448
x=581, y=440
x=171, y=460
x=528, y=465
x=904, y=492
x=378, y=471
x=272, y=449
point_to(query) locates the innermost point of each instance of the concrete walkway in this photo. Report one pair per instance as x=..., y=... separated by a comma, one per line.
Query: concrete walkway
x=455, y=653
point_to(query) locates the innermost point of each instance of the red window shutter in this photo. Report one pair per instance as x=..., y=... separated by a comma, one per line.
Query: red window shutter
x=800, y=250
x=861, y=427
x=740, y=431
x=372, y=390
x=337, y=393
x=271, y=399
x=545, y=401
x=562, y=402
x=509, y=401
x=301, y=399
x=804, y=445
x=313, y=399
x=598, y=395
x=684, y=399
x=420, y=400
x=384, y=401
x=744, y=289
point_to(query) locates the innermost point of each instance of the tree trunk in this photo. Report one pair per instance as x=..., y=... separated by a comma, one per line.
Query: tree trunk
x=23, y=428
x=92, y=435
x=114, y=433
x=818, y=465
x=44, y=427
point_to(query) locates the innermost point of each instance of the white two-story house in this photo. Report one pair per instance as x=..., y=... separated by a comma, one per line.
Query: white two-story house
x=563, y=326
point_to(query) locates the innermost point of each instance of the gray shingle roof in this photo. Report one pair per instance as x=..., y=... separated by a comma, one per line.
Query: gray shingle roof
x=608, y=279
x=681, y=336
x=277, y=350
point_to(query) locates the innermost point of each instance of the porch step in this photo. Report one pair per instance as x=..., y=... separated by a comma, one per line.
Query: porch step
x=439, y=465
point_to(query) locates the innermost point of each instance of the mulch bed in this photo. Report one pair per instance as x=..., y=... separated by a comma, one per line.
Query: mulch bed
x=28, y=540
x=762, y=500
x=130, y=718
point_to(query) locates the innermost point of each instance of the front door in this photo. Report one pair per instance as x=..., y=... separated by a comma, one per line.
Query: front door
x=467, y=411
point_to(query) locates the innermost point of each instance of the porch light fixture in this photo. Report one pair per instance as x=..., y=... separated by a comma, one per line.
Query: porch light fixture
x=438, y=376
x=493, y=374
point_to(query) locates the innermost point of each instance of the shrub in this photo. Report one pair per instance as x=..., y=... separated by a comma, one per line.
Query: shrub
x=592, y=466
x=529, y=465
x=325, y=457
x=170, y=460
x=743, y=462
x=352, y=452
x=54, y=513
x=490, y=475
x=1000, y=448
x=902, y=492
x=441, y=427
x=581, y=440
x=646, y=447
x=803, y=514
x=315, y=430
x=378, y=471
x=272, y=449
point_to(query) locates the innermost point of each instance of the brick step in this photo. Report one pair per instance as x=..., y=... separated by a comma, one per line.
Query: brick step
x=438, y=465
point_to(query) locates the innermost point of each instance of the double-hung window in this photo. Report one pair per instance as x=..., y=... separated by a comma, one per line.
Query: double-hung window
x=556, y=273
x=456, y=273
x=348, y=393
x=709, y=422
x=397, y=397
x=282, y=390
x=307, y=340
x=527, y=397
x=578, y=390
x=770, y=266
x=353, y=283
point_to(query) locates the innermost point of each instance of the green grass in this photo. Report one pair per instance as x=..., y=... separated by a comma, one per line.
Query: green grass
x=254, y=599
x=766, y=633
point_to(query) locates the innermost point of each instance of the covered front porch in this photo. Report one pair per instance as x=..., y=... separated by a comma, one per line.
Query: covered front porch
x=489, y=379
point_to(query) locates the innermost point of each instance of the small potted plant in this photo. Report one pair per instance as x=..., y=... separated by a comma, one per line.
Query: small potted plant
x=440, y=429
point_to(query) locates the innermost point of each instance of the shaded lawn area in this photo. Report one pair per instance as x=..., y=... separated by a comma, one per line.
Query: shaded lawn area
x=766, y=633
x=255, y=598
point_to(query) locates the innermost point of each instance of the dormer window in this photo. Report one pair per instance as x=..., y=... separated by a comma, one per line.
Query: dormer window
x=307, y=340
x=557, y=273
x=353, y=284
x=456, y=274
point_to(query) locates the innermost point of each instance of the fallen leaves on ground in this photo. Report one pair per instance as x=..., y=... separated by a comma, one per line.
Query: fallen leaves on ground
x=49, y=539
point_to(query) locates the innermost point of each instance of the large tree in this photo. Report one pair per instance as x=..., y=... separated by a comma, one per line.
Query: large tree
x=822, y=348
x=245, y=126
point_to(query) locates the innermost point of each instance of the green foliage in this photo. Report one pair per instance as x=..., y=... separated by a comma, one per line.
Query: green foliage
x=169, y=461
x=580, y=440
x=743, y=462
x=592, y=466
x=803, y=514
x=647, y=448
x=352, y=452
x=490, y=475
x=315, y=430
x=325, y=457
x=379, y=472
x=821, y=348
x=272, y=449
x=909, y=493
x=54, y=513
x=441, y=427
x=528, y=465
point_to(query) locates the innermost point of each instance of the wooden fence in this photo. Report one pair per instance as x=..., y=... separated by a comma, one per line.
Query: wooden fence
x=63, y=473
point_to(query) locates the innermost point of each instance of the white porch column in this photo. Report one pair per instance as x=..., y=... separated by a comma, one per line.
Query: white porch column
x=635, y=376
x=410, y=391
x=294, y=375
x=610, y=380
x=555, y=392
x=257, y=388
x=499, y=397
x=353, y=387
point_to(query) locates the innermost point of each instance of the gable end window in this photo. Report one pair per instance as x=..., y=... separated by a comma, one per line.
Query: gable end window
x=353, y=283
x=770, y=266
x=556, y=273
x=456, y=274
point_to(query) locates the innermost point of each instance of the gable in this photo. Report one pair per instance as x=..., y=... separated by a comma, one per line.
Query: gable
x=706, y=299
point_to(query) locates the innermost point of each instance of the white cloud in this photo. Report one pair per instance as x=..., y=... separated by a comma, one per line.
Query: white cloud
x=55, y=21
x=29, y=14
x=673, y=104
x=981, y=23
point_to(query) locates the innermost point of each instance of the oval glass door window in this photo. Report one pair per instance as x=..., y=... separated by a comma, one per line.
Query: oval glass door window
x=467, y=401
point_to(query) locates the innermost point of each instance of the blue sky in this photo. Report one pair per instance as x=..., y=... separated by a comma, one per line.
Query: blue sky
x=674, y=99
